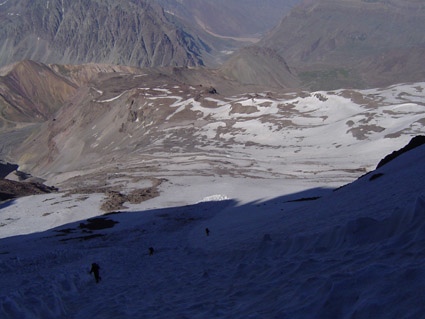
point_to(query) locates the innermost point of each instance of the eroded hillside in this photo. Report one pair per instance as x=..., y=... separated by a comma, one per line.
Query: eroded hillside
x=153, y=122
x=128, y=33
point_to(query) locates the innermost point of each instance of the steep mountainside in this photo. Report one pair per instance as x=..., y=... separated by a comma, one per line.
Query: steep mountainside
x=231, y=18
x=136, y=33
x=353, y=42
x=31, y=92
x=253, y=66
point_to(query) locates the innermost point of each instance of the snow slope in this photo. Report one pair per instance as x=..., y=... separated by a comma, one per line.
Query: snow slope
x=356, y=252
x=143, y=129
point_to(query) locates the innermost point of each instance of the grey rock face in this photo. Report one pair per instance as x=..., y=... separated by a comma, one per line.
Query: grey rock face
x=107, y=31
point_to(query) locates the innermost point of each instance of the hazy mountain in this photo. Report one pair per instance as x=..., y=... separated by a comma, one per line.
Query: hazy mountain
x=243, y=20
x=319, y=44
x=353, y=42
x=259, y=66
x=136, y=33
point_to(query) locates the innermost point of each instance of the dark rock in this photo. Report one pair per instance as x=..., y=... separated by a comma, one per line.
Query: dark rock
x=212, y=90
x=375, y=176
x=414, y=142
x=12, y=189
x=6, y=169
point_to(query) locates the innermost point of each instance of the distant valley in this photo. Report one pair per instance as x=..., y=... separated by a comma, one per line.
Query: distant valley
x=133, y=33
x=325, y=44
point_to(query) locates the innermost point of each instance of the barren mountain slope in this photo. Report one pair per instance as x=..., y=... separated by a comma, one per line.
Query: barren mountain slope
x=31, y=92
x=259, y=66
x=134, y=33
x=158, y=123
x=353, y=42
x=231, y=18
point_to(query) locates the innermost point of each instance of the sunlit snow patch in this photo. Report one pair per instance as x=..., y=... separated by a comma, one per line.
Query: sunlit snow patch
x=214, y=198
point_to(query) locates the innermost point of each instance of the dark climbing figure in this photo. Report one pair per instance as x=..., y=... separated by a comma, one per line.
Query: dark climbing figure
x=95, y=270
x=207, y=231
x=151, y=250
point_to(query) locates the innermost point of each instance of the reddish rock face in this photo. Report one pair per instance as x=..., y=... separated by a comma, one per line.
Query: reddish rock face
x=32, y=92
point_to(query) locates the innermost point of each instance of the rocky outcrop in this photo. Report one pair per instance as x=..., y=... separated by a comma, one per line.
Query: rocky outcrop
x=414, y=142
x=13, y=189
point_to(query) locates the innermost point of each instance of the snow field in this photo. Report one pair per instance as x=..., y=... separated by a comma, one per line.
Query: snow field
x=272, y=251
x=354, y=252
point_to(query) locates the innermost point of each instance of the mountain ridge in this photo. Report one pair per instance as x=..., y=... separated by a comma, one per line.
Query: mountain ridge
x=326, y=44
x=132, y=33
x=357, y=43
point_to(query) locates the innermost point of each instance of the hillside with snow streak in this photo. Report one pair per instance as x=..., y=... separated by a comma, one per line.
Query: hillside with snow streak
x=355, y=252
x=127, y=126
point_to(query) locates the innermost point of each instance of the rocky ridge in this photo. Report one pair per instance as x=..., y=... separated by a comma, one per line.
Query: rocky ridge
x=128, y=33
